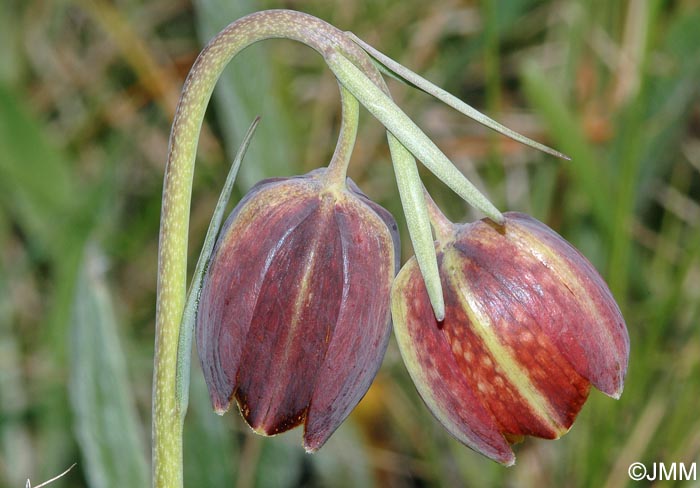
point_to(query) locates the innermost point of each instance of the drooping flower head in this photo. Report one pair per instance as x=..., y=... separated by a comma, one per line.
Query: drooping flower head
x=294, y=316
x=529, y=326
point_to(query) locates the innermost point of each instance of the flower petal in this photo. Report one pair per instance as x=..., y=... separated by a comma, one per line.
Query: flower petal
x=511, y=364
x=593, y=337
x=436, y=374
x=363, y=327
x=294, y=318
x=238, y=267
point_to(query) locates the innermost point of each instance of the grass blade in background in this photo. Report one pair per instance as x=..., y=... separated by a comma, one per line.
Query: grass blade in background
x=39, y=191
x=669, y=100
x=585, y=166
x=82, y=144
x=211, y=446
x=280, y=464
x=35, y=179
x=344, y=461
x=41, y=199
x=16, y=450
x=107, y=426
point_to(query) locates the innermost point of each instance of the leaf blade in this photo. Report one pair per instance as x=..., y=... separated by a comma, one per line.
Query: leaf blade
x=107, y=427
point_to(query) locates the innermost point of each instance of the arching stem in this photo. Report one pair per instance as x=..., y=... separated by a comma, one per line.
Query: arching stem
x=360, y=81
x=177, y=192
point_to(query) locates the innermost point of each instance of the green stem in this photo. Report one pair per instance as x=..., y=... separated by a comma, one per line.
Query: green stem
x=411, y=194
x=443, y=227
x=492, y=75
x=338, y=167
x=177, y=192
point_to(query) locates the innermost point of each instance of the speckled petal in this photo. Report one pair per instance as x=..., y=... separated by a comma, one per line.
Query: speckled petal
x=594, y=337
x=529, y=325
x=436, y=374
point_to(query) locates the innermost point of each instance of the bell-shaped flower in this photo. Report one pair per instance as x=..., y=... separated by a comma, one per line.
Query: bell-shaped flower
x=294, y=314
x=529, y=326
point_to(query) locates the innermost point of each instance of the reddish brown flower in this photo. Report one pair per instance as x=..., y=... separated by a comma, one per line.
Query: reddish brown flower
x=294, y=317
x=529, y=326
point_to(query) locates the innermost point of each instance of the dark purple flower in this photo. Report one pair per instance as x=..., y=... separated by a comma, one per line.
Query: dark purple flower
x=294, y=316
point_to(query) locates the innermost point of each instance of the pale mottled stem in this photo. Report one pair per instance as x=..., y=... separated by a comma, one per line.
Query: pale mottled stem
x=177, y=191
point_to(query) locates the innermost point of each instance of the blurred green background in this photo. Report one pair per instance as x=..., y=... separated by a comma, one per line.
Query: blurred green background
x=87, y=93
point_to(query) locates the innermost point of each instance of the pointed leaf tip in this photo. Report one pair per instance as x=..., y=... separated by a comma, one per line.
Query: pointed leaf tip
x=401, y=73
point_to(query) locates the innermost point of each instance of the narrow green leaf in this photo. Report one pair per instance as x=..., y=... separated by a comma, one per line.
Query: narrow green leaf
x=418, y=222
x=106, y=423
x=405, y=130
x=189, y=315
x=402, y=73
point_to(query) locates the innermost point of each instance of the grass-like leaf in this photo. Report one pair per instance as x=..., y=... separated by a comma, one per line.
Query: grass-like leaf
x=411, y=136
x=400, y=72
x=107, y=426
x=184, y=353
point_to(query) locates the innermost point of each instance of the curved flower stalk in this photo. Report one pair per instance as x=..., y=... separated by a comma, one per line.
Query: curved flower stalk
x=358, y=75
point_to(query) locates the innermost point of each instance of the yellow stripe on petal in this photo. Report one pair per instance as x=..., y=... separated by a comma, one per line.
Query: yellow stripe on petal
x=515, y=373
